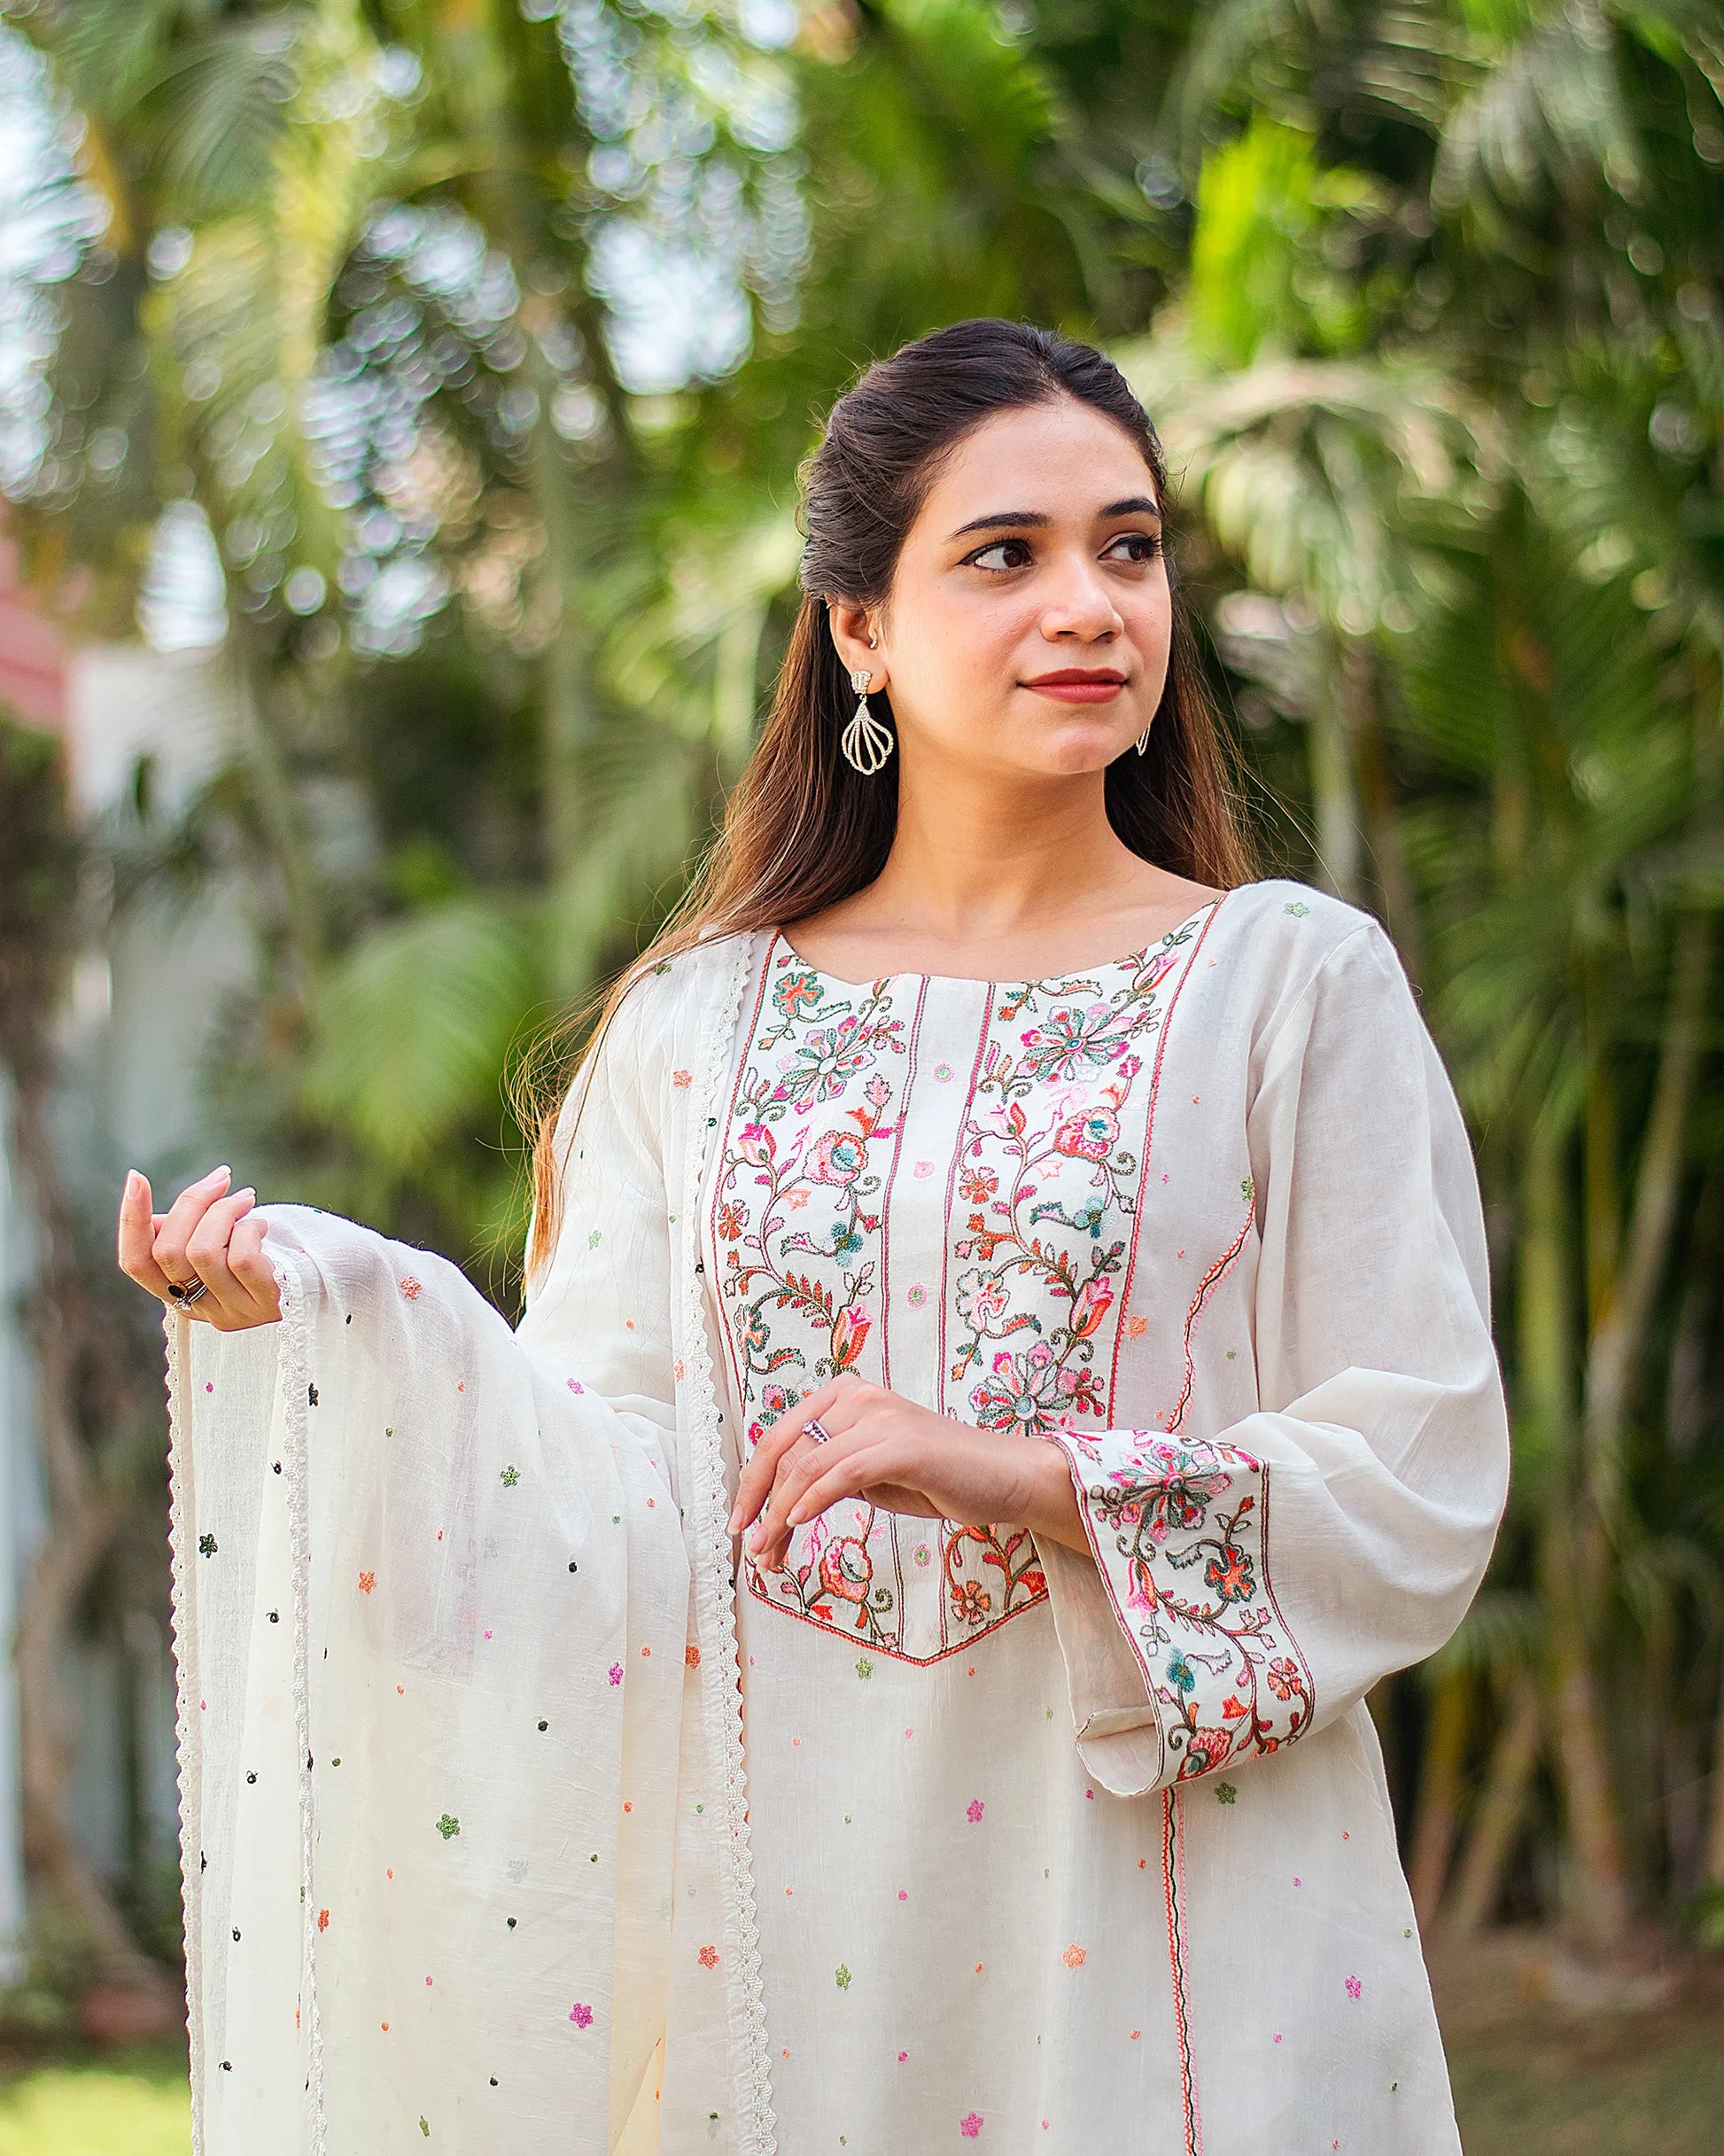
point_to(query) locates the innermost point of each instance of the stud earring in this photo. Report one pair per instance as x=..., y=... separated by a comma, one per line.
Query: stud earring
x=866, y=741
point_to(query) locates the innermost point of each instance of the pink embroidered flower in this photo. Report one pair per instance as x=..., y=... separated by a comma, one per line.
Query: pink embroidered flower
x=976, y=1186
x=850, y=1329
x=1205, y=1748
x=970, y=2125
x=756, y=1145
x=1074, y=1956
x=973, y=1810
x=846, y=1570
x=367, y=1582
x=1090, y=1136
x=1029, y=1392
x=708, y=1958
x=983, y=1300
x=616, y=1673
x=840, y=1157
x=682, y=1078
x=581, y=2015
x=1354, y=1987
x=411, y=1288
x=1091, y=1308
x=1286, y=1678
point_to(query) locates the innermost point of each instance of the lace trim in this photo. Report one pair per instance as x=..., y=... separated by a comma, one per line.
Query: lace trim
x=292, y=1367
x=715, y=1591
x=188, y=1730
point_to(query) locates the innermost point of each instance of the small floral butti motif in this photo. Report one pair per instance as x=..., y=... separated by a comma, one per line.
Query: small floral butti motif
x=1036, y=1166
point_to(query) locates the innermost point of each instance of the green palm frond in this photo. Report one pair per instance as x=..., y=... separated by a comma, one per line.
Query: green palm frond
x=412, y=1024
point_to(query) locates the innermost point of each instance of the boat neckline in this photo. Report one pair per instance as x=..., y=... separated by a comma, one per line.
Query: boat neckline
x=969, y=980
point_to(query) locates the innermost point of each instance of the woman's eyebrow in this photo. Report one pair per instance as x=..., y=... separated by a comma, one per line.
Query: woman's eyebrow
x=1132, y=505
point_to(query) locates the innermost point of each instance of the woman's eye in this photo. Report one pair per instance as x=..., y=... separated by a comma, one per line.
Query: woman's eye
x=1017, y=549
x=1141, y=546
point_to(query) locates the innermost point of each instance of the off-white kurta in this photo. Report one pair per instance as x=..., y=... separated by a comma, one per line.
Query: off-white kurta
x=951, y=1838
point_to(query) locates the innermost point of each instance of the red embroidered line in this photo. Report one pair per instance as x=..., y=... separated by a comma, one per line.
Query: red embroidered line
x=861, y=1641
x=1206, y=1287
x=1149, y=1135
x=725, y=1167
x=1173, y=1881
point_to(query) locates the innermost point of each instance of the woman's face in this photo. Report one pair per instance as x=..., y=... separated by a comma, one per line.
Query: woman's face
x=1028, y=623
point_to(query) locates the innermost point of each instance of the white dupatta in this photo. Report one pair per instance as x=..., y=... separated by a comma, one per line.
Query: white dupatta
x=432, y=1613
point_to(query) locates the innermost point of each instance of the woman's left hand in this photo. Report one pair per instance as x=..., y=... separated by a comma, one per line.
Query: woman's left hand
x=888, y=1452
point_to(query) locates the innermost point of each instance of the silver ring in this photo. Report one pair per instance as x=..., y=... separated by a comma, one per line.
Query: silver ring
x=185, y=1293
x=817, y=1429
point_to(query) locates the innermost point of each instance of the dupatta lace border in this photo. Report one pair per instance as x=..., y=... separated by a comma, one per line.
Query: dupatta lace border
x=715, y=1591
x=188, y=1737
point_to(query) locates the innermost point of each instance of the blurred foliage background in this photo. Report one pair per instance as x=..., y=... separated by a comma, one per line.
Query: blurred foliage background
x=450, y=361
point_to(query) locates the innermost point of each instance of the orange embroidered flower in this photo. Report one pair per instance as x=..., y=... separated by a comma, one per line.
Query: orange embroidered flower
x=692, y=1657
x=1136, y=1328
x=708, y=1958
x=323, y=1920
x=367, y=1582
x=411, y=1288
x=682, y=1078
x=1073, y=1956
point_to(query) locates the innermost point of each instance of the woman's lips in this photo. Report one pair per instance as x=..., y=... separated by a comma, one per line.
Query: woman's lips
x=1077, y=692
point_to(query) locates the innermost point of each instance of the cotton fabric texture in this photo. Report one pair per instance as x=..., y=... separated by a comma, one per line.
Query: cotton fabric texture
x=521, y=1808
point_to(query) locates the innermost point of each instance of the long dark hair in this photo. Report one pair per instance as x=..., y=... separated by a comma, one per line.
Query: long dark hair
x=803, y=828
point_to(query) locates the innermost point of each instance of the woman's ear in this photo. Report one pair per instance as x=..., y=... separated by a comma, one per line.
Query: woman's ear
x=855, y=639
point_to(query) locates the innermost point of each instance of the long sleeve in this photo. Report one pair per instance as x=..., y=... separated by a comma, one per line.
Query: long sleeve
x=1265, y=1573
x=601, y=1308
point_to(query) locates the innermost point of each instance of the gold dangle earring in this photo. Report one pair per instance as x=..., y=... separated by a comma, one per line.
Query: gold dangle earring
x=866, y=741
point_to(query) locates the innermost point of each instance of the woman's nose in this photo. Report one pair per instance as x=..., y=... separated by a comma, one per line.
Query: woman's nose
x=1079, y=604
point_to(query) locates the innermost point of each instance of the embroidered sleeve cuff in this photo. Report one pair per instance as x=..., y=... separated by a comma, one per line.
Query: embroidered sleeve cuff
x=1179, y=1657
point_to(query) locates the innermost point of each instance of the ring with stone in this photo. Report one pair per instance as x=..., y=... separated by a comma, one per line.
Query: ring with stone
x=817, y=1429
x=185, y=1293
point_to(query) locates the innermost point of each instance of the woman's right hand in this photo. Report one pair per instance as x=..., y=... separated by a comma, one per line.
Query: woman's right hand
x=207, y=1233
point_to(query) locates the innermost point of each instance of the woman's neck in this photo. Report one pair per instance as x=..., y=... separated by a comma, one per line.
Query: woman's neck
x=1003, y=883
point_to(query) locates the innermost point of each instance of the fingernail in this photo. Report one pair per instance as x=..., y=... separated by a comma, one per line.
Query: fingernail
x=247, y=1192
x=730, y=1524
x=215, y=1172
x=755, y=1537
x=131, y=1181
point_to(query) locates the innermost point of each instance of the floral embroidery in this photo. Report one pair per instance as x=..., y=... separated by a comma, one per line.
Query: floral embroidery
x=1186, y=1568
x=581, y=2015
x=1048, y=1152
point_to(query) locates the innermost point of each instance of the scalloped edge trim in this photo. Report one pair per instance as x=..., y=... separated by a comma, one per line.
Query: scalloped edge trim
x=188, y=1730
x=715, y=1591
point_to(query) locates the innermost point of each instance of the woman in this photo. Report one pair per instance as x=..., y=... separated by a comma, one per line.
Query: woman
x=877, y=1660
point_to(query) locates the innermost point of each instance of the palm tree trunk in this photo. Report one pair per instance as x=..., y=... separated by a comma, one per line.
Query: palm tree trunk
x=1496, y=1820
x=1618, y=1337
x=1596, y=1877
x=1440, y=1791
x=1335, y=794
